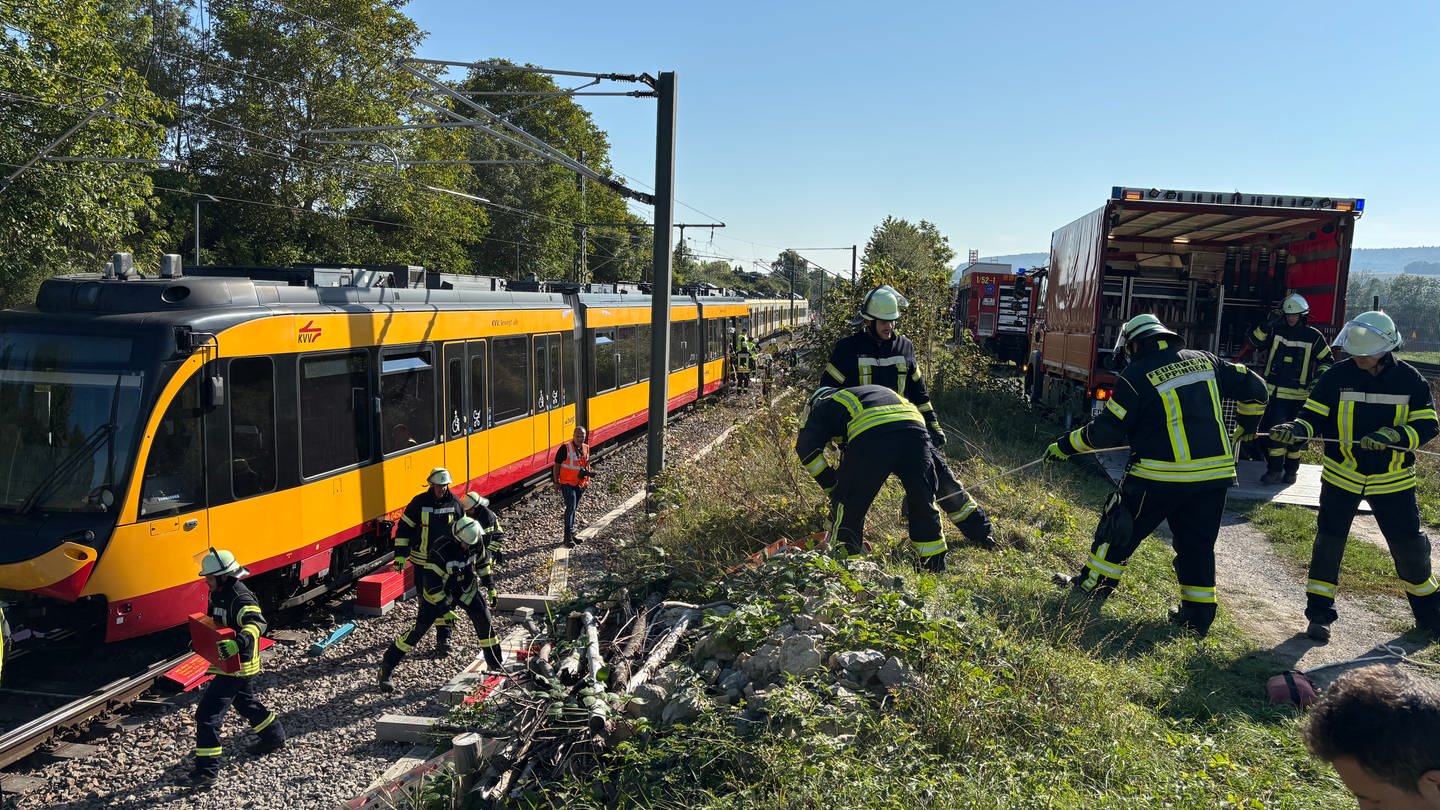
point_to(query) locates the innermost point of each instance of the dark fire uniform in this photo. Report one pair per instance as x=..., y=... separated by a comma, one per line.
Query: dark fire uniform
x=1166, y=406
x=425, y=518
x=1348, y=403
x=863, y=359
x=884, y=435
x=449, y=579
x=234, y=606
x=1299, y=355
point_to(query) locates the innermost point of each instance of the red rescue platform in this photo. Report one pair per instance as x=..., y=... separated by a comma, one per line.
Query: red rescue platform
x=376, y=594
x=204, y=638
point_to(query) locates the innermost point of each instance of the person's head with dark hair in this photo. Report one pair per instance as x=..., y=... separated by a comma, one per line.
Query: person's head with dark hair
x=1380, y=728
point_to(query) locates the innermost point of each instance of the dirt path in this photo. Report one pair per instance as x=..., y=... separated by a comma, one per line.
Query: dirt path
x=1265, y=595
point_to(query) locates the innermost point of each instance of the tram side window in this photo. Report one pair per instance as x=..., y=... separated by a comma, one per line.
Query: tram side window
x=510, y=383
x=567, y=370
x=625, y=346
x=175, y=470
x=604, y=355
x=252, y=426
x=642, y=351
x=457, y=422
x=678, y=349
x=407, y=399
x=334, y=412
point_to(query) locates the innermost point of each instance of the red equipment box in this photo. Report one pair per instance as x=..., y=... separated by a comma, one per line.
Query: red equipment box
x=378, y=590
x=205, y=635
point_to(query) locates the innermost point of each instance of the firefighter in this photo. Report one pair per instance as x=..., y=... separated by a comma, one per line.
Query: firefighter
x=489, y=553
x=1376, y=409
x=428, y=514
x=1298, y=355
x=884, y=434
x=879, y=355
x=571, y=475
x=1166, y=407
x=448, y=579
x=744, y=360
x=232, y=605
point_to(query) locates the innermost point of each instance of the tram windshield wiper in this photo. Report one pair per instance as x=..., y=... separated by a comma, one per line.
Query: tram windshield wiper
x=98, y=438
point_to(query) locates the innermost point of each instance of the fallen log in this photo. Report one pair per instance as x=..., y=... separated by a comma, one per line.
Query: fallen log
x=662, y=650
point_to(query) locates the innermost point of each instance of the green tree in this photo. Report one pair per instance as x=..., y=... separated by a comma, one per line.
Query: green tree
x=58, y=62
x=791, y=271
x=544, y=204
x=275, y=71
x=906, y=245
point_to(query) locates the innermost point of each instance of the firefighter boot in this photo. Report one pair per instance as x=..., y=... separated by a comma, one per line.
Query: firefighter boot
x=1273, y=475
x=271, y=739
x=1318, y=631
x=1193, y=618
x=387, y=666
x=935, y=563
x=442, y=641
x=1075, y=585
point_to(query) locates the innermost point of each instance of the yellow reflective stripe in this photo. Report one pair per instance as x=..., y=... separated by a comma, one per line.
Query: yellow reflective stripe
x=1174, y=425
x=1282, y=392
x=850, y=401
x=490, y=642
x=931, y=548
x=1318, y=407
x=1320, y=588
x=926, y=408
x=1412, y=438
x=1309, y=428
x=406, y=520
x=834, y=372
x=1216, y=473
x=1197, y=593
x=1421, y=588
x=263, y=724
x=1421, y=415
x=882, y=415
x=1098, y=563
x=1345, y=421
x=209, y=752
x=963, y=512
x=1117, y=409
x=1250, y=408
x=1077, y=440
x=401, y=645
x=817, y=465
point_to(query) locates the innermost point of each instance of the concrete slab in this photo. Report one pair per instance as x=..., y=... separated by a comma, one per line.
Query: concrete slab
x=404, y=727
x=537, y=602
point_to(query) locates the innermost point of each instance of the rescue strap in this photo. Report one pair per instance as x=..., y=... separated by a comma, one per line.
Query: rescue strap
x=1041, y=460
x=1394, y=447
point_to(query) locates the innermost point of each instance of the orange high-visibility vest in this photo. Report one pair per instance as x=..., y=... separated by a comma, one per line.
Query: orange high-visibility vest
x=577, y=458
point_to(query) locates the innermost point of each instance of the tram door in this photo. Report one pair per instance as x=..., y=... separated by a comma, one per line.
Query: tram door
x=545, y=393
x=172, y=510
x=457, y=414
x=477, y=372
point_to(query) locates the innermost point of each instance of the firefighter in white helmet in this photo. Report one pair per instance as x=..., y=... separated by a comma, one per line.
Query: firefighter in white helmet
x=1376, y=409
x=232, y=605
x=1298, y=355
x=448, y=580
x=879, y=355
x=427, y=516
x=1166, y=407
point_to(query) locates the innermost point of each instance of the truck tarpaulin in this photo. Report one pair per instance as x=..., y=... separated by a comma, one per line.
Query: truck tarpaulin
x=1074, y=292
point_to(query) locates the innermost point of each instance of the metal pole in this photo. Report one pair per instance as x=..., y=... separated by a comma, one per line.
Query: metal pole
x=854, y=263
x=793, y=268
x=197, y=232
x=109, y=99
x=660, y=277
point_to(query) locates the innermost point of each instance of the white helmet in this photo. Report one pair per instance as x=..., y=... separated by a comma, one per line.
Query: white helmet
x=821, y=394
x=1369, y=334
x=439, y=476
x=1141, y=326
x=467, y=530
x=220, y=563
x=883, y=304
x=473, y=499
x=1295, y=304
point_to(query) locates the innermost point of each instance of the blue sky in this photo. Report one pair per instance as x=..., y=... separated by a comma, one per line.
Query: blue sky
x=805, y=124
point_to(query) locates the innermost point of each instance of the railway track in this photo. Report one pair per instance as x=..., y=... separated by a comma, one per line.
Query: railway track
x=33, y=735
x=1430, y=371
x=27, y=738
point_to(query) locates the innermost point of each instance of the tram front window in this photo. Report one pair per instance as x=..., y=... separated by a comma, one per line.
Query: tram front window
x=69, y=409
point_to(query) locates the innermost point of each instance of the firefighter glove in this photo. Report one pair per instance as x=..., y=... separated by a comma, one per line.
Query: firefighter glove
x=1283, y=433
x=497, y=556
x=493, y=595
x=1240, y=434
x=227, y=648
x=1379, y=439
x=400, y=561
x=937, y=435
x=1054, y=453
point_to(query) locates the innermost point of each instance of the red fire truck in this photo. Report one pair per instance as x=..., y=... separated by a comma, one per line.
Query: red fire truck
x=997, y=308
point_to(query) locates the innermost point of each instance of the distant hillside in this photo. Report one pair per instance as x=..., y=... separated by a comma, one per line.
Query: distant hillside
x=1380, y=261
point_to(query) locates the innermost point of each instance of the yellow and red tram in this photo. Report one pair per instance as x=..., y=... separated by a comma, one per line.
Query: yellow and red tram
x=144, y=420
